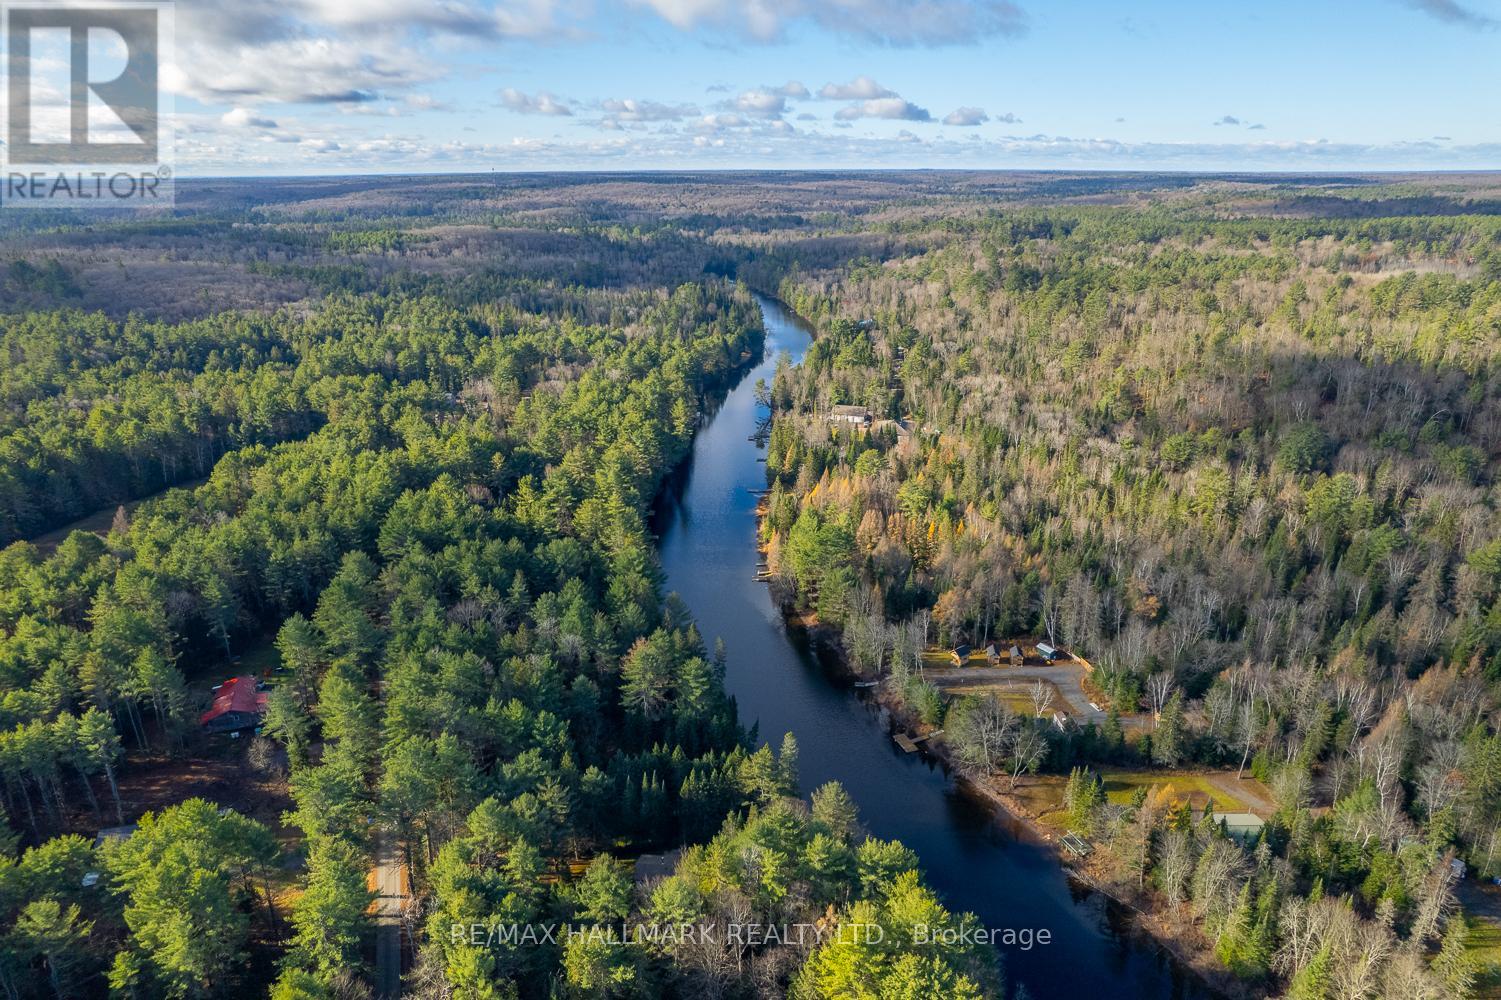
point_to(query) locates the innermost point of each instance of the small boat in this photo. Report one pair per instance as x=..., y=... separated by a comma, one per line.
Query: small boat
x=866, y=684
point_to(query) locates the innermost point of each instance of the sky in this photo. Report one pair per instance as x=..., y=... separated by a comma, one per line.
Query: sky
x=329, y=86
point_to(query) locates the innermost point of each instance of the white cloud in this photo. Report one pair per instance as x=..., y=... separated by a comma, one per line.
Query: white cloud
x=540, y=103
x=894, y=108
x=244, y=118
x=205, y=145
x=298, y=70
x=861, y=88
x=631, y=110
x=337, y=51
x=889, y=22
x=966, y=116
x=434, y=15
x=761, y=102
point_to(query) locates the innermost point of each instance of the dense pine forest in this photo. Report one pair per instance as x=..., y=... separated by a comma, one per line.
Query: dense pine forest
x=388, y=448
x=411, y=498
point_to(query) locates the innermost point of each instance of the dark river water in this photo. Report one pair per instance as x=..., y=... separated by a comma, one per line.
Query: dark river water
x=706, y=519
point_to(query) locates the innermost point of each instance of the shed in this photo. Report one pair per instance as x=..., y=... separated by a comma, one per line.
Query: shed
x=1016, y=656
x=113, y=835
x=1243, y=828
x=1048, y=652
x=992, y=654
x=238, y=704
x=109, y=835
x=845, y=414
x=960, y=655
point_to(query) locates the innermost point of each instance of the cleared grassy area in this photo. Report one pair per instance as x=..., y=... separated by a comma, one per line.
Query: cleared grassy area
x=1014, y=695
x=1120, y=786
x=1011, y=696
x=1485, y=950
x=1044, y=795
x=938, y=659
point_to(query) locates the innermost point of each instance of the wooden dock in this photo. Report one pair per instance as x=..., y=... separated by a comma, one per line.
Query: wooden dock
x=1077, y=845
x=905, y=742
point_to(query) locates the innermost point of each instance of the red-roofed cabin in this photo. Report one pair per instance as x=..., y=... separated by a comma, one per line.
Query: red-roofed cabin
x=237, y=705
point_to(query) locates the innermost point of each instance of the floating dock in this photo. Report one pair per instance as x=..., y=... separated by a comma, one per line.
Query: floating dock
x=905, y=742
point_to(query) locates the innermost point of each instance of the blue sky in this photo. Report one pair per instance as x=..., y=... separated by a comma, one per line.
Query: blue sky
x=325, y=86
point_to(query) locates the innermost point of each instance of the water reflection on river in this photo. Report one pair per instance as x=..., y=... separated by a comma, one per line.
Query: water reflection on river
x=706, y=519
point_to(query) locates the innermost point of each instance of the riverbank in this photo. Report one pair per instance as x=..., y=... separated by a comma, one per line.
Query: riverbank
x=707, y=532
x=1174, y=932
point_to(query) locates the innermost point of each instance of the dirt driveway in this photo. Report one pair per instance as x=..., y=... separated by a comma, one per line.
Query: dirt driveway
x=1065, y=675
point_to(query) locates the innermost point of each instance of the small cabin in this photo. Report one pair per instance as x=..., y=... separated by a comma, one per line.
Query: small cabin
x=992, y=654
x=1049, y=652
x=855, y=416
x=239, y=704
x=960, y=655
x=1016, y=656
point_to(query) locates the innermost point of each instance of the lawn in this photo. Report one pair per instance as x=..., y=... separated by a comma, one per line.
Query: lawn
x=1120, y=786
x=938, y=659
x=1045, y=794
x=1485, y=950
x=1015, y=695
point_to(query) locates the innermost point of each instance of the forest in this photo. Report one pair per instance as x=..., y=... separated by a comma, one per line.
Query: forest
x=391, y=449
x=1243, y=465
x=419, y=506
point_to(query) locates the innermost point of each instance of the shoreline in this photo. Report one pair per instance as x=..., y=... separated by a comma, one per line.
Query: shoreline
x=1181, y=940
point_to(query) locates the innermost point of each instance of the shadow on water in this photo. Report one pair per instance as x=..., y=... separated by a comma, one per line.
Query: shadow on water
x=706, y=521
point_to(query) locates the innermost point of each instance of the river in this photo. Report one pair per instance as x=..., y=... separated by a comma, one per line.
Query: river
x=706, y=520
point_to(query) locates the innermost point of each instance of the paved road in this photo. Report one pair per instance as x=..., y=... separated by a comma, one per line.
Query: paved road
x=1065, y=675
x=390, y=904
